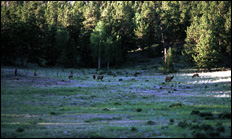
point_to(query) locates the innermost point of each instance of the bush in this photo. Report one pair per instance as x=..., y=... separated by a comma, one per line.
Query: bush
x=138, y=109
x=195, y=112
x=198, y=134
x=184, y=124
x=20, y=129
x=224, y=115
x=175, y=104
x=150, y=122
x=53, y=113
x=171, y=121
x=133, y=129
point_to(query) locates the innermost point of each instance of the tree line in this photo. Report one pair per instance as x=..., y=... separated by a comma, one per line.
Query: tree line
x=100, y=33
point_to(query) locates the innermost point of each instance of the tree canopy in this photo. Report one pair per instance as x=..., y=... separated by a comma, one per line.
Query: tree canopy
x=80, y=33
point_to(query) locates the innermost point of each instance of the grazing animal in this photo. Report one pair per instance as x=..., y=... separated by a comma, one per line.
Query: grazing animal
x=35, y=73
x=70, y=76
x=94, y=77
x=100, y=77
x=196, y=74
x=15, y=71
x=168, y=78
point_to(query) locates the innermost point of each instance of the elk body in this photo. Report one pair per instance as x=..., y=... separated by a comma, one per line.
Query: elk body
x=15, y=71
x=35, y=74
x=94, y=77
x=168, y=78
x=70, y=76
x=100, y=77
x=196, y=74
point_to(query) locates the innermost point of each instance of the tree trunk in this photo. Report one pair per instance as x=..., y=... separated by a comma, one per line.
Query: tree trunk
x=108, y=65
x=99, y=59
x=22, y=61
x=99, y=62
x=165, y=52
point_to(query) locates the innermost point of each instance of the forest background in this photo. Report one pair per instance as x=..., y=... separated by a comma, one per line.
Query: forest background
x=94, y=33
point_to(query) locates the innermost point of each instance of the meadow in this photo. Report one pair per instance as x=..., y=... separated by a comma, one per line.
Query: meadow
x=128, y=103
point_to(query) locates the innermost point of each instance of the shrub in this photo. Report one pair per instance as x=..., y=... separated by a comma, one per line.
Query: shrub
x=53, y=113
x=198, y=134
x=96, y=135
x=213, y=134
x=224, y=115
x=138, y=109
x=133, y=129
x=195, y=112
x=184, y=124
x=221, y=129
x=171, y=121
x=20, y=129
x=117, y=103
x=206, y=127
x=205, y=114
x=106, y=109
x=175, y=104
x=150, y=122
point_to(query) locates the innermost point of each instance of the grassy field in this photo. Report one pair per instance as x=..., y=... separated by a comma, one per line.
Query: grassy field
x=132, y=103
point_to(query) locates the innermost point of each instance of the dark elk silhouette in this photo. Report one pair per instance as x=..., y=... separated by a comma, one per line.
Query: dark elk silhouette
x=100, y=77
x=71, y=75
x=195, y=75
x=168, y=78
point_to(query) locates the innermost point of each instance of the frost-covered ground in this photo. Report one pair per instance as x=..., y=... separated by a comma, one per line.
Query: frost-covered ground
x=126, y=103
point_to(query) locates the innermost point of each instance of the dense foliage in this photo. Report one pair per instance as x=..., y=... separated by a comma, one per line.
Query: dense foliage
x=94, y=33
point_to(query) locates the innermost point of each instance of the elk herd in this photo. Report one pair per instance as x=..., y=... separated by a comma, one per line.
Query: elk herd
x=167, y=78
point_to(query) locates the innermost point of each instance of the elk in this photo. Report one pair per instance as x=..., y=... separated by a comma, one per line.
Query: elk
x=196, y=74
x=168, y=78
x=35, y=73
x=94, y=77
x=100, y=77
x=71, y=75
x=15, y=71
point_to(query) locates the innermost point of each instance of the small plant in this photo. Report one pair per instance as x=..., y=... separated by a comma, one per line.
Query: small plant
x=106, y=109
x=133, y=129
x=20, y=129
x=225, y=115
x=195, y=112
x=96, y=135
x=53, y=113
x=206, y=114
x=220, y=129
x=171, y=121
x=164, y=127
x=175, y=104
x=150, y=122
x=117, y=103
x=33, y=122
x=198, y=134
x=138, y=109
x=184, y=124
x=206, y=127
x=120, y=80
x=213, y=134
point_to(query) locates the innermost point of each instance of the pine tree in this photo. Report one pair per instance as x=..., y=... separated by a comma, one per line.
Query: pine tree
x=170, y=60
x=147, y=27
x=98, y=39
x=204, y=42
x=123, y=28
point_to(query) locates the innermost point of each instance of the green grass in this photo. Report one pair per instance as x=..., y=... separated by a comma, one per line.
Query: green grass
x=143, y=106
